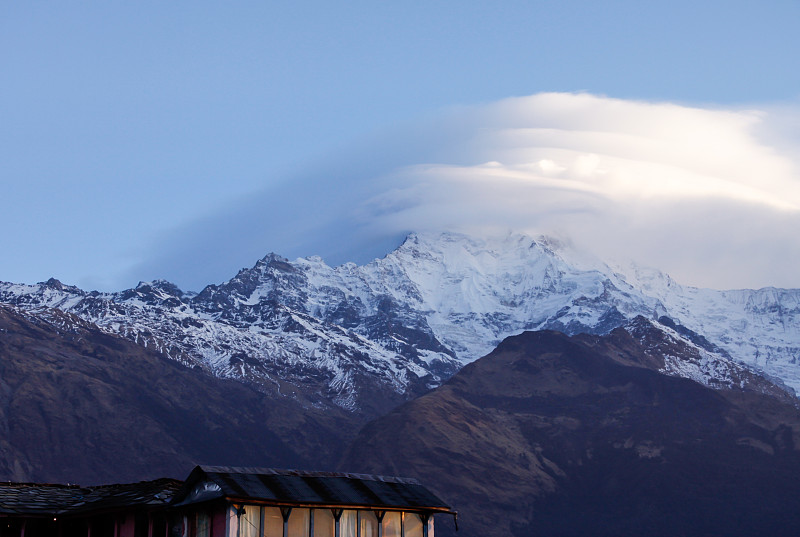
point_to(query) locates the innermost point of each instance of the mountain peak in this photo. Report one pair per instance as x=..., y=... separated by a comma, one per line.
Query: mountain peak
x=160, y=285
x=56, y=285
x=53, y=284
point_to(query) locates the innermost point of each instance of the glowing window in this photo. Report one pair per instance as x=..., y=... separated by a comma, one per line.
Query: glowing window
x=273, y=522
x=348, y=523
x=324, y=523
x=391, y=524
x=412, y=525
x=299, y=522
x=368, y=524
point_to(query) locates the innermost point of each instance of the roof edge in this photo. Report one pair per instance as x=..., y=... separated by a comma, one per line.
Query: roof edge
x=306, y=473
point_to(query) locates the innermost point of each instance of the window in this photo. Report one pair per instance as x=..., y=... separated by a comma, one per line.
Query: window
x=249, y=522
x=324, y=523
x=299, y=522
x=412, y=525
x=368, y=524
x=348, y=523
x=257, y=521
x=273, y=522
x=203, y=525
x=391, y=524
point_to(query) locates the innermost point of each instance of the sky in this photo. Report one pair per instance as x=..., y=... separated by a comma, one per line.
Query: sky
x=185, y=140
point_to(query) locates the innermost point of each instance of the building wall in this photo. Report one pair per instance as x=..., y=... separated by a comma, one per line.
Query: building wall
x=126, y=526
x=219, y=520
x=261, y=521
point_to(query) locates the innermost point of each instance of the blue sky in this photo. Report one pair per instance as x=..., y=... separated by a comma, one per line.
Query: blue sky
x=143, y=140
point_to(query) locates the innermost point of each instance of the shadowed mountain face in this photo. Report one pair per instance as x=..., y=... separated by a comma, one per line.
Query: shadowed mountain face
x=552, y=435
x=80, y=405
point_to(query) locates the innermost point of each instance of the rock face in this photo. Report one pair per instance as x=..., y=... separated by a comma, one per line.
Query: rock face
x=80, y=405
x=367, y=338
x=590, y=435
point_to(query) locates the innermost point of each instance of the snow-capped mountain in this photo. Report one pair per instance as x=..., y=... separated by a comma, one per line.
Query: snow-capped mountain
x=263, y=343
x=676, y=351
x=403, y=323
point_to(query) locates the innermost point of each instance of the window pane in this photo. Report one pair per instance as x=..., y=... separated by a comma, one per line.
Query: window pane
x=298, y=522
x=203, y=525
x=368, y=523
x=391, y=524
x=347, y=524
x=430, y=526
x=273, y=522
x=412, y=525
x=250, y=521
x=323, y=523
x=233, y=520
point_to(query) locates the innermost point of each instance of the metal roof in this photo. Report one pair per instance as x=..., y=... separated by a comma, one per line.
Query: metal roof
x=46, y=499
x=295, y=487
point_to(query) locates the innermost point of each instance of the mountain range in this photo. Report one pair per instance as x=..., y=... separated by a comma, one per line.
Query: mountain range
x=521, y=379
x=365, y=338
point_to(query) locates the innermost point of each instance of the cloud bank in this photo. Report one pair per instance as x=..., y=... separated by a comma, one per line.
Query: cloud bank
x=710, y=196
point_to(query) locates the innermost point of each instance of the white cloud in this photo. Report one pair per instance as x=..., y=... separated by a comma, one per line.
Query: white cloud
x=710, y=196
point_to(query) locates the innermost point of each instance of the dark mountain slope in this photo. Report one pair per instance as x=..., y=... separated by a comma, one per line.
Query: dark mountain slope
x=80, y=405
x=547, y=435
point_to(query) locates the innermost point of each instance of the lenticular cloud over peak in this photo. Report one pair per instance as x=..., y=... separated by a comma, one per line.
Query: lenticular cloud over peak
x=638, y=150
x=692, y=191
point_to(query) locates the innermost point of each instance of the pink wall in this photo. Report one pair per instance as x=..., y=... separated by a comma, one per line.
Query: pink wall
x=218, y=519
x=126, y=526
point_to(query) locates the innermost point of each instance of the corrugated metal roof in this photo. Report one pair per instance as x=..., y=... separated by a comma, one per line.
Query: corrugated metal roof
x=45, y=499
x=299, y=487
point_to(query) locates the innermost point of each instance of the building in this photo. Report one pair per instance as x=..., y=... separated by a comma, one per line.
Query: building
x=134, y=509
x=225, y=502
